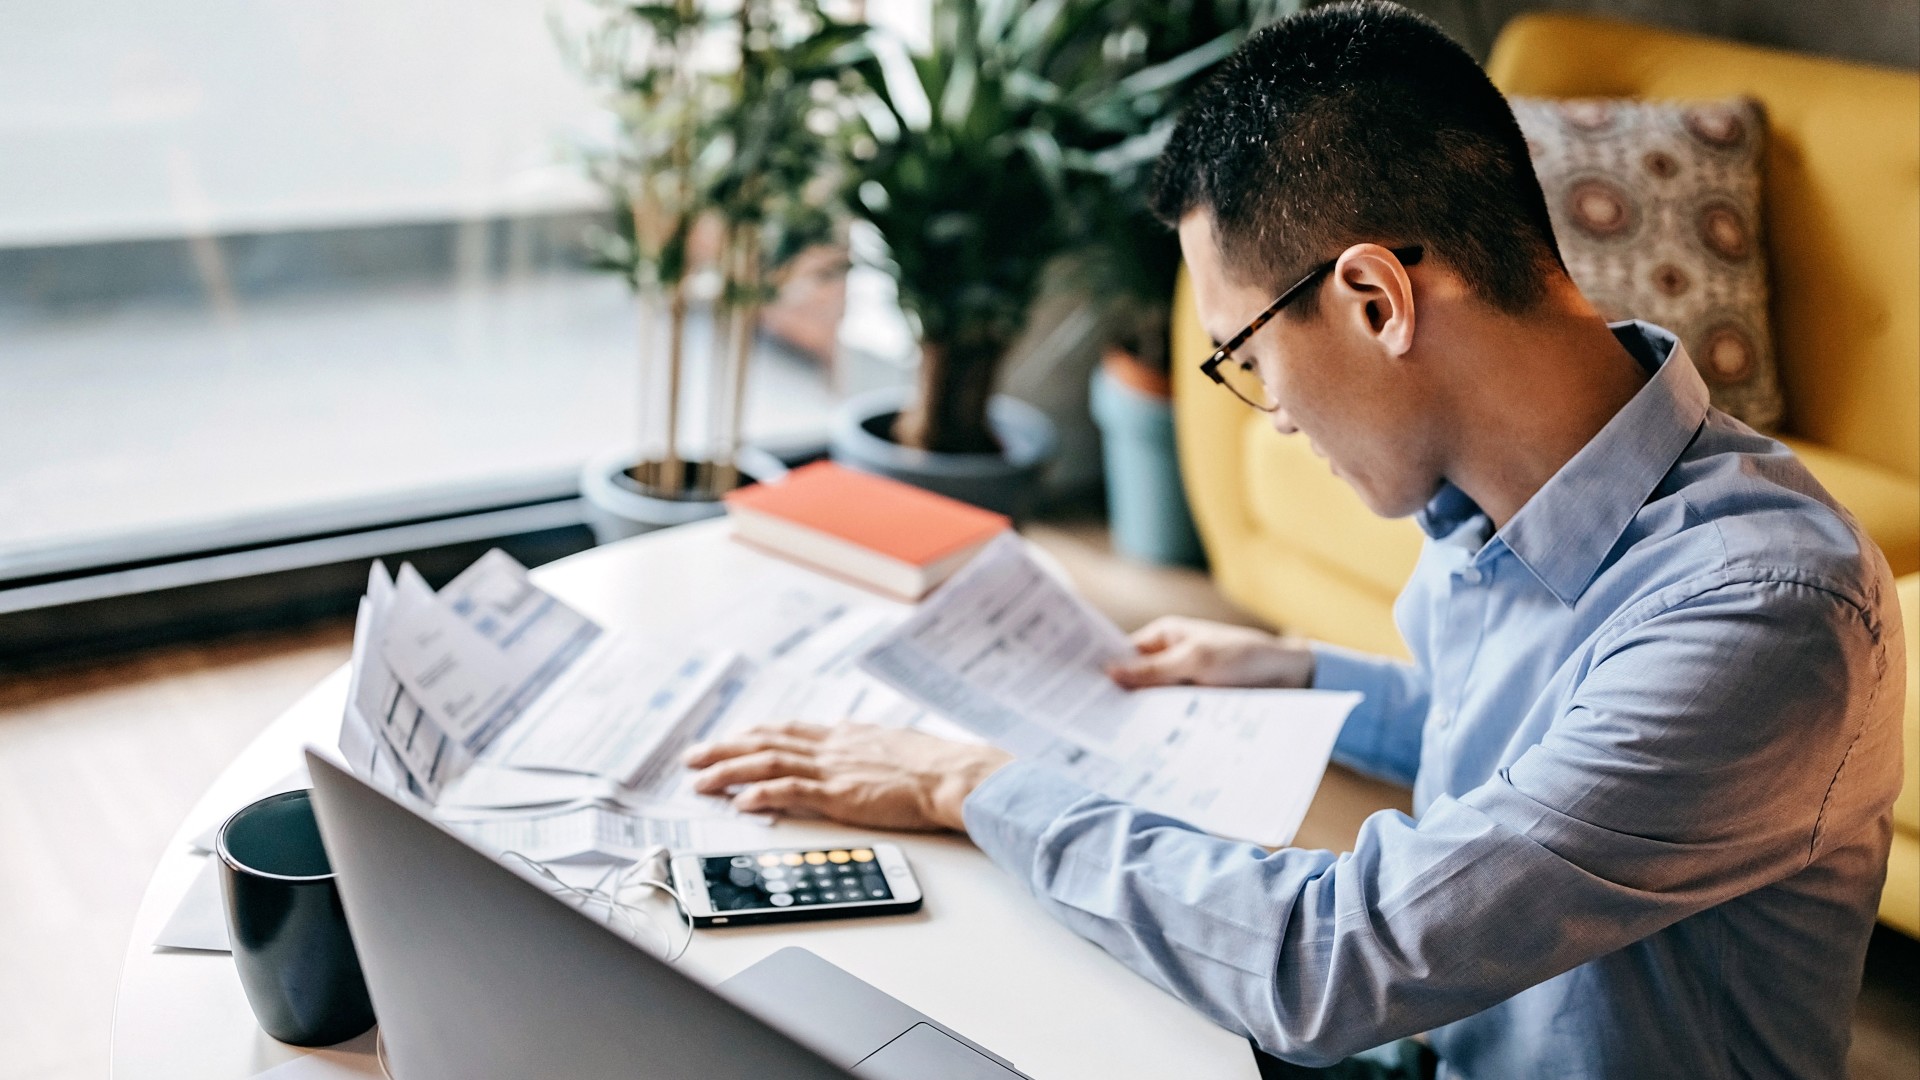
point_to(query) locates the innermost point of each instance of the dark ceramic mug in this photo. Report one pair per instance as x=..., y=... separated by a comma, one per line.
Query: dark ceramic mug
x=290, y=939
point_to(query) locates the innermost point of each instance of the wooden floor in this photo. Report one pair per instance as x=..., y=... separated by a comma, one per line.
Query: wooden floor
x=98, y=764
x=97, y=767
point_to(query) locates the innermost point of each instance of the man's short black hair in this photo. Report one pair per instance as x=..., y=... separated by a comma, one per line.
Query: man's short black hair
x=1354, y=123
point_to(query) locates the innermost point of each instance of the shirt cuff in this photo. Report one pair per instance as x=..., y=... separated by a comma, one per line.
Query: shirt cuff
x=1009, y=813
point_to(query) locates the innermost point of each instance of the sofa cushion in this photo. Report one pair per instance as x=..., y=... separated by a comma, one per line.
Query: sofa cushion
x=1842, y=203
x=1906, y=810
x=1900, y=902
x=1886, y=504
x=1656, y=206
x=1295, y=499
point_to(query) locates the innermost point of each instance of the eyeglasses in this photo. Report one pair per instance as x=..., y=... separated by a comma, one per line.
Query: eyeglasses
x=1240, y=376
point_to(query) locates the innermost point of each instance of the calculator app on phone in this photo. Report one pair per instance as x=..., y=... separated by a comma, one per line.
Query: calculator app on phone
x=785, y=878
x=827, y=882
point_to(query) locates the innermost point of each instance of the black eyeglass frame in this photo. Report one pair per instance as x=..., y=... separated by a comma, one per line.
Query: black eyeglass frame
x=1408, y=256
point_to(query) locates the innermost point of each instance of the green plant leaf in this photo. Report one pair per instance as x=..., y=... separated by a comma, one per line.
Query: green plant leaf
x=1171, y=73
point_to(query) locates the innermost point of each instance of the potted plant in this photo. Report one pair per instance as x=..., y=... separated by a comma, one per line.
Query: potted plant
x=1023, y=133
x=1127, y=262
x=957, y=173
x=719, y=169
x=1157, y=52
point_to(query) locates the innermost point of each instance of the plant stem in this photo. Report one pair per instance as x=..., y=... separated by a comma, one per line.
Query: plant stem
x=647, y=305
x=670, y=467
x=672, y=472
x=717, y=371
x=746, y=320
x=949, y=412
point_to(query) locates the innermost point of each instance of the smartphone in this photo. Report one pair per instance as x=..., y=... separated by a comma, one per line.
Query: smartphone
x=795, y=884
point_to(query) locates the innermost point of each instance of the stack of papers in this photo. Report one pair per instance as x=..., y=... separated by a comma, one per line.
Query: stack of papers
x=522, y=724
x=1010, y=653
x=525, y=725
x=532, y=729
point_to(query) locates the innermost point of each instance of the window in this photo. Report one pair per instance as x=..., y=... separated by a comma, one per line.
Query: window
x=271, y=268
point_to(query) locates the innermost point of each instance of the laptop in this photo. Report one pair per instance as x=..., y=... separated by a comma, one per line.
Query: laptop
x=478, y=972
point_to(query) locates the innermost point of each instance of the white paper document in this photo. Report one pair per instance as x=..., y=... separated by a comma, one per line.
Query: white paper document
x=825, y=684
x=693, y=705
x=1010, y=653
x=773, y=622
x=600, y=834
x=665, y=785
x=199, y=922
x=611, y=712
x=500, y=787
x=386, y=735
x=476, y=661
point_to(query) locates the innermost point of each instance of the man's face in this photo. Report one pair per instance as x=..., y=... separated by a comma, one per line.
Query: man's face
x=1333, y=380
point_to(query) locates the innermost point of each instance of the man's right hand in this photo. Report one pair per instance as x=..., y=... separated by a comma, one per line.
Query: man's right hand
x=1176, y=650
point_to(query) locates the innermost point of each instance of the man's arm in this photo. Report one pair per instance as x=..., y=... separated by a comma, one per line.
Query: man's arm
x=1701, y=760
x=1382, y=735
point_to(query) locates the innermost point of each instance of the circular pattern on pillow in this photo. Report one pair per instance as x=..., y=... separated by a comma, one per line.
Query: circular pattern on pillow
x=1718, y=127
x=1671, y=280
x=1661, y=164
x=1724, y=229
x=1656, y=206
x=1727, y=355
x=1601, y=208
x=1589, y=115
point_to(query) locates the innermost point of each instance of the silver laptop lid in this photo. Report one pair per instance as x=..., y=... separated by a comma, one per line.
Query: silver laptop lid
x=478, y=973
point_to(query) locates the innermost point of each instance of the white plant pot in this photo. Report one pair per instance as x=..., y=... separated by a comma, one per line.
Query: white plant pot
x=617, y=508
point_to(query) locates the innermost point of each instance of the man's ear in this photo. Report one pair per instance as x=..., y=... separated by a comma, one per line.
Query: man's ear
x=1372, y=287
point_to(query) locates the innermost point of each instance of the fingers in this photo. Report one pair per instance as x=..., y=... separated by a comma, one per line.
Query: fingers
x=753, y=767
x=1157, y=635
x=1160, y=659
x=786, y=795
x=1165, y=668
x=798, y=729
x=795, y=738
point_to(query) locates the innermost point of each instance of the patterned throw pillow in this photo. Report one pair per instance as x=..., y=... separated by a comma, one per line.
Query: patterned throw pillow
x=1657, y=210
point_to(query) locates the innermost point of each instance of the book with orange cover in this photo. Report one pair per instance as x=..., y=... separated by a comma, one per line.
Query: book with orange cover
x=892, y=536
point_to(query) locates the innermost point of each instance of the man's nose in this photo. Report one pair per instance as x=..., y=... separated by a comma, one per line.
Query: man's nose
x=1282, y=422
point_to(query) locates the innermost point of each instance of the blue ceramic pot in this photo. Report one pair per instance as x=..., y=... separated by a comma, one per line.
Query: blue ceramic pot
x=1146, y=502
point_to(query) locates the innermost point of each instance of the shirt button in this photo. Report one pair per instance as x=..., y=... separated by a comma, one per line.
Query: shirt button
x=1471, y=575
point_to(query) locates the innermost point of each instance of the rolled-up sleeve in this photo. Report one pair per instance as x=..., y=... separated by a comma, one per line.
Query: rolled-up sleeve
x=1382, y=735
x=1584, y=846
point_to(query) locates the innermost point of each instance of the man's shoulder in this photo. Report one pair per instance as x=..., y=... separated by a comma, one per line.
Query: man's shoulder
x=1739, y=511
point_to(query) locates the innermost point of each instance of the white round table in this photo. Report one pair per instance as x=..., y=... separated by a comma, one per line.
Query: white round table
x=982, y=957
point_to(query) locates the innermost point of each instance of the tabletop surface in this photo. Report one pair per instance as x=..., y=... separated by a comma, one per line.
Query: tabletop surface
x=981, y=957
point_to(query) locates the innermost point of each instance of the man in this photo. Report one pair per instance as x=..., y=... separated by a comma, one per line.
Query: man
x=1652, y=723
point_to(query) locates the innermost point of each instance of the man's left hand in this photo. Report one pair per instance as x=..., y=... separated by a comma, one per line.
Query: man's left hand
x=860, y=774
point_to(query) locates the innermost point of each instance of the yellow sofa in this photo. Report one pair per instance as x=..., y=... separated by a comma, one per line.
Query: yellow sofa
x=1291, y=543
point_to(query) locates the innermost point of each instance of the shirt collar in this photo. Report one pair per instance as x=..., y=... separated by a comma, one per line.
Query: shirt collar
x=1567, y=528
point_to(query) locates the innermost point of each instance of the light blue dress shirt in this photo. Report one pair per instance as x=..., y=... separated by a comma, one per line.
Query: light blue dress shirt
x=1653, y=731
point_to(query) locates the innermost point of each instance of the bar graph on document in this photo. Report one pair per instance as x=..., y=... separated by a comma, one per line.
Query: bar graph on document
x=382, y=715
